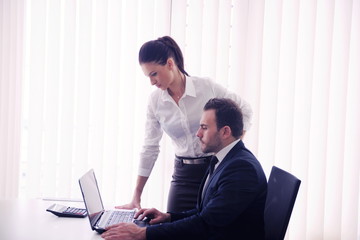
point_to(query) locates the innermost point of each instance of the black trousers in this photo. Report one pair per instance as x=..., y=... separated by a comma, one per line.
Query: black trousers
x=185, y=185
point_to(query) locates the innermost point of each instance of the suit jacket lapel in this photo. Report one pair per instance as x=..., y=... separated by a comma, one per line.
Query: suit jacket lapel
x=199, y=197
x=230, y=154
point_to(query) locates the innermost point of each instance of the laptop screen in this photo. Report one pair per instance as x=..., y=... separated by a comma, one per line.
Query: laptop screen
x=91, y=195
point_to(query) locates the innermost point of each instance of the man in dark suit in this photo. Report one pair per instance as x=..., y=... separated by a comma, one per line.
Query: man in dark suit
x=231, y=198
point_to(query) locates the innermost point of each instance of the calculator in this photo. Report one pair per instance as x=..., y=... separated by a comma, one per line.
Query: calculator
x=65, y=211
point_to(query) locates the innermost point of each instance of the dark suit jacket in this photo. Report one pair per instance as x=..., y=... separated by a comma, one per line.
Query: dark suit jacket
x=232, y=207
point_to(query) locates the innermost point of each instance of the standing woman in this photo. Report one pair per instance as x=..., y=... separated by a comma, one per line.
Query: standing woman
x=175, y=108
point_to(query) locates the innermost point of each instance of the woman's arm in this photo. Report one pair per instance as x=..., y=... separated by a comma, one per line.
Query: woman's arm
x=136, y=200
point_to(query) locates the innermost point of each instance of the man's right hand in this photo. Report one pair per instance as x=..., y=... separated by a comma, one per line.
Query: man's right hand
x=153, y=215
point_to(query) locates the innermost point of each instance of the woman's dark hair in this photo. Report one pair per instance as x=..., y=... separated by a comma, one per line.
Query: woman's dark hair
x=160, y=50
x=227, y=113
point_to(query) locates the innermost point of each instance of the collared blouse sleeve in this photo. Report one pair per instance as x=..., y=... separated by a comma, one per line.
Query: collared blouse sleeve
x=153, y=134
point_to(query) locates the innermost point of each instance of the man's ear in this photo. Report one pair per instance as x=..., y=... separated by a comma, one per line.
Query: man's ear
x=226, y=132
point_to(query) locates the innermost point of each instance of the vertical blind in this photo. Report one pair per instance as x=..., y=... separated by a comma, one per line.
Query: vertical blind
x=11, y=72
x=84, y=96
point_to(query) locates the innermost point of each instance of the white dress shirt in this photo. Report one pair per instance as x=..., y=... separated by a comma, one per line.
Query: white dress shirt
x=181, y=122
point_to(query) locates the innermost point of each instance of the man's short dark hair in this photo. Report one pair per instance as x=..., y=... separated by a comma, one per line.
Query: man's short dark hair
x=227, y=113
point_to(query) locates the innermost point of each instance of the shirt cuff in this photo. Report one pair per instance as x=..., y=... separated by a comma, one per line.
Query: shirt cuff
x=144, y=172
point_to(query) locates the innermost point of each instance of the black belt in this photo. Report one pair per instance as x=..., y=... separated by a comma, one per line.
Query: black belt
x=192, y=160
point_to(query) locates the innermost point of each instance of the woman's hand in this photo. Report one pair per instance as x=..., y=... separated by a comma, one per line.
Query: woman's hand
x=133, y=204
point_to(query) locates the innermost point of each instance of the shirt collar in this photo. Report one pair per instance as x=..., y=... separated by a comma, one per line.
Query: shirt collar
x=223, y=152
x=189, y=90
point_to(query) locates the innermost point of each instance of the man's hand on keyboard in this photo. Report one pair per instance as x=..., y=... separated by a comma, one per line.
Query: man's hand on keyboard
x=153, y=214
x=124, y=231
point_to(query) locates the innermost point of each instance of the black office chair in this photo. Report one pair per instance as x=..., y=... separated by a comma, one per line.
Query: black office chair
x=282, y=191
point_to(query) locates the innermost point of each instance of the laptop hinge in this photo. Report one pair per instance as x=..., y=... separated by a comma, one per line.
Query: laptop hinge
x=96, y=219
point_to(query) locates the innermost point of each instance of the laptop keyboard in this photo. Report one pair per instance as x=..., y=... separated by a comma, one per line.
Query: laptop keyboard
x=118, y=216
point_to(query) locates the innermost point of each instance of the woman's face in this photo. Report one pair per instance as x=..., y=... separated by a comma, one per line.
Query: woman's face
x=162, y=76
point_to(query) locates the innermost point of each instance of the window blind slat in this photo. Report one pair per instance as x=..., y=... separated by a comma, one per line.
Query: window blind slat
x=350, y=213
x=319, y=121
x=337, y=100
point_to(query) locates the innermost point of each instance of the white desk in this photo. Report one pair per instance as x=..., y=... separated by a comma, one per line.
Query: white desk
x=28, y=219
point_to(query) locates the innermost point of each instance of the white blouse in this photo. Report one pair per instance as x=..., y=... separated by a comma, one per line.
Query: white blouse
x=181, y=122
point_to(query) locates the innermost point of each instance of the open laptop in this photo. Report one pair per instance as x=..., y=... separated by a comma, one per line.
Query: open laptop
x=99, y=217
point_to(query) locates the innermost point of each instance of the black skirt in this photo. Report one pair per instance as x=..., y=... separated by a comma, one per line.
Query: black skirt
x=185, y=184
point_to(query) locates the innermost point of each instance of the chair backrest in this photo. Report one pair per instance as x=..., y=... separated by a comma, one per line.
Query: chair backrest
x=282, y=191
